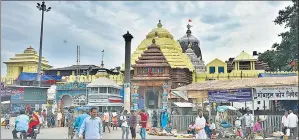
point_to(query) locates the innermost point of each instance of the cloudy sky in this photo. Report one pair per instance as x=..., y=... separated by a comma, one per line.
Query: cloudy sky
x=225, y=28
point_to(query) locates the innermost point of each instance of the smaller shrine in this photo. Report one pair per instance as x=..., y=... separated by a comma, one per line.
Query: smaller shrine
x=104, y=93
x=71, y=94
x=198, y=63
x=24, y=62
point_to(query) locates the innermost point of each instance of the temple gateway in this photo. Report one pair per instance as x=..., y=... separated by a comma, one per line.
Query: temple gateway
x=159, y=65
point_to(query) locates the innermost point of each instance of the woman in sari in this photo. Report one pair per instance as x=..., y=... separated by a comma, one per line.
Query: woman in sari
x=164, y=119
x=200, y=123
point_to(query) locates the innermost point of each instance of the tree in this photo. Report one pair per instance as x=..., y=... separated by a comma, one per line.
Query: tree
x=287, y=50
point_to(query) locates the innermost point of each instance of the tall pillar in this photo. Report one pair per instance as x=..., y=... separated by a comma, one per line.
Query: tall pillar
x=128, y=37
x=165, y=97
x=135, y=97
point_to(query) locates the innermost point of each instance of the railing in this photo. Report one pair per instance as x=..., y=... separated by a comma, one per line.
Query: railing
x=271, y=124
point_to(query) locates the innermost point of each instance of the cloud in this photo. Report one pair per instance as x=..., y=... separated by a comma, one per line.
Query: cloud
x=220, y=26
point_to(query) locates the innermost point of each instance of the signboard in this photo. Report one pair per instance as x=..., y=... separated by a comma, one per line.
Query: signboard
x=17, y=95
x=236, y=95
x=276, y=93
x=35, y=95
x=27, y=95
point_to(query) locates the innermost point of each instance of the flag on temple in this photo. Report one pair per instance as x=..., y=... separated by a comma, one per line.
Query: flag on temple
x=190, y=20
x=102, y=50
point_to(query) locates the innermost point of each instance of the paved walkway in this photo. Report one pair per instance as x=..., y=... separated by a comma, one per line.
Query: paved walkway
x=61, y=133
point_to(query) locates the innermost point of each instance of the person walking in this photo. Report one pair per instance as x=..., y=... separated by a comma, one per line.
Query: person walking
x=293, y=124
x=155, y=119
x=78, y=123
x=133, y=124
x=285, y=122
x=44, y=116
x=200, y=123
x=248, y=117
x=59, y=118
x=143, y=122
x=124, y=125
x=7, y=118
x=92, y=126
x=106, y=120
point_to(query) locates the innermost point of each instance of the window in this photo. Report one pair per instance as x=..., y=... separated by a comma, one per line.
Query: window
x=212, y=70
x=94, y=90
x=110, y=90
x=220, y=69
x=258, y=102
x=103, y=89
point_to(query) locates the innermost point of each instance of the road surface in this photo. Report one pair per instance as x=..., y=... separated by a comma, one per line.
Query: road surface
x=61, y=133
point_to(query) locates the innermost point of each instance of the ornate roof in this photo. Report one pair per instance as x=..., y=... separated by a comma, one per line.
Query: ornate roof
x=152, y=57
x=243, y=56
x=29, y=55
x=170, y=48
x=103, y=82
x=199, y=65
x=190, y=39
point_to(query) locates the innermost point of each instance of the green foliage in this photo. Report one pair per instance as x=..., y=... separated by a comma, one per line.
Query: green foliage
x=287, y=50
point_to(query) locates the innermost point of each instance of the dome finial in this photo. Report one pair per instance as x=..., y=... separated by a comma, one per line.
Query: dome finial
x=159, y=24
x=154, y=41
x=190, y=46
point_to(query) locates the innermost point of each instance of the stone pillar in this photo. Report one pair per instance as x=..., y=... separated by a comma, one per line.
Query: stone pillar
x=135, y=97
x=128, y=37
x=165, y=97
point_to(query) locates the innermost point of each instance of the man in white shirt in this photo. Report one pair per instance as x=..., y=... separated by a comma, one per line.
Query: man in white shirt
x=124, y=124
x=285, y=121
x=292, y=124
x=248, y=117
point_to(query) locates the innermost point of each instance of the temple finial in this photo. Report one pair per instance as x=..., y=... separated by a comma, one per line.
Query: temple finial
x=190, y=46
x=154, y=41
x=159, y=24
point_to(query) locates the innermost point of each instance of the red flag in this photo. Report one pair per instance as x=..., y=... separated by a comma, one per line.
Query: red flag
x=190, y=20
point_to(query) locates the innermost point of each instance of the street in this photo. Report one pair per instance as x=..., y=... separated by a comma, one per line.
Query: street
x=61, y=133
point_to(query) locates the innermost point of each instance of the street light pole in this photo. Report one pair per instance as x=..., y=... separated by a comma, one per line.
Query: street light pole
x=42, y=7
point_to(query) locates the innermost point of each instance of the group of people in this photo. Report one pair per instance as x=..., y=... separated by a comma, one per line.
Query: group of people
x=92, y=126
x=290, y=123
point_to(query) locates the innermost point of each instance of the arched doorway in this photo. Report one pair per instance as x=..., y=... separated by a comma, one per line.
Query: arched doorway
x=67, y=101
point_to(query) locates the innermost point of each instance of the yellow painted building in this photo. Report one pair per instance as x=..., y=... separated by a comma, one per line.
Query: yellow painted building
x=216, y=66
x=24, y=62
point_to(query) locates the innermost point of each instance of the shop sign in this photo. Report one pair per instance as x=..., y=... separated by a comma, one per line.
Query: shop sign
x=276, y=93
x=234, y=95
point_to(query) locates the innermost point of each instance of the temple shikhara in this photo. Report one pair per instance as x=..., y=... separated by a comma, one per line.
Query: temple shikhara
x=159, y=64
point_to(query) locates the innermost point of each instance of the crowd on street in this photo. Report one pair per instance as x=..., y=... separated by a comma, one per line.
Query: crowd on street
x=91, y=124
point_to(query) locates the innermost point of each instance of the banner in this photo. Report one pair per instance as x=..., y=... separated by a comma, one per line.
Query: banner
x=236, y=95
x=35, y=95
x=276, y=93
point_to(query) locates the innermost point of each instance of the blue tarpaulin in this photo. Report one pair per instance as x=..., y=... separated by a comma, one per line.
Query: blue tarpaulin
x=261, y=75
x=26, y=76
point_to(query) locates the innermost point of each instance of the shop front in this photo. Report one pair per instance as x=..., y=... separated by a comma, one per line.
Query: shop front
x=278, y=98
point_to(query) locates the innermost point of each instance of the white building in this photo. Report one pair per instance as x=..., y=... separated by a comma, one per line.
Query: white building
x=105, y=94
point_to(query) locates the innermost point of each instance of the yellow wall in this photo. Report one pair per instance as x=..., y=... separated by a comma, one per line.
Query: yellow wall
x=200, y=77
x=216, y=63
x=13, y=70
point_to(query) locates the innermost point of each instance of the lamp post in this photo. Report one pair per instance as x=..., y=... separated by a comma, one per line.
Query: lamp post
x=42, y=7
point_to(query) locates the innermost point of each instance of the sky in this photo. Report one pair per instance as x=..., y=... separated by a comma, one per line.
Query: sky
x=224, y=28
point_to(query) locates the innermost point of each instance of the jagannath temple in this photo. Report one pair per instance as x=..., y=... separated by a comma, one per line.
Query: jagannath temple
x=160, y=63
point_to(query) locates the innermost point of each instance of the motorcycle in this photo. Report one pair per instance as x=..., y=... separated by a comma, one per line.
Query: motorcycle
x=32, y=135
